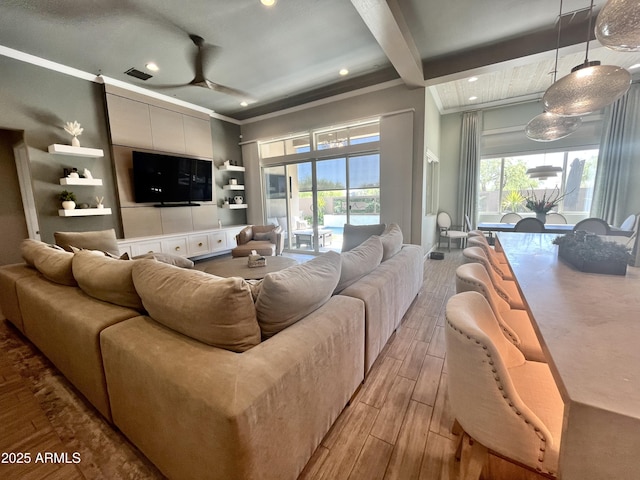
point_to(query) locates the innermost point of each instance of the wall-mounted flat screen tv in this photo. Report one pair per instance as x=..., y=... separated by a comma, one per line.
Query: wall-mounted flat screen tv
x=170, y=179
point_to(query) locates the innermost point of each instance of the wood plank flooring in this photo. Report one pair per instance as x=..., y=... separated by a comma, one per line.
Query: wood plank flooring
x=397, y=427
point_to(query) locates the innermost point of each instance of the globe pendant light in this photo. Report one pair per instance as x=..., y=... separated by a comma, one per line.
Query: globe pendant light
x=618, y=25
x=547, y=126
x=588, y=87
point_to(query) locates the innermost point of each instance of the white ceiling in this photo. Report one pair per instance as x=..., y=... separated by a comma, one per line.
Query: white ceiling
x=291, y=53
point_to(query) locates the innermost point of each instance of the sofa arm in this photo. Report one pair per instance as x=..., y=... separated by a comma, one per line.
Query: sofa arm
x=198, y=411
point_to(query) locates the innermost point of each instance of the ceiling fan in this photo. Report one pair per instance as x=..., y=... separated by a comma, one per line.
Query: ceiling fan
x=201, y=81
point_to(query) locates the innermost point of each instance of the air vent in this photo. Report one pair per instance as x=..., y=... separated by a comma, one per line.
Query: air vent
x=138, y=74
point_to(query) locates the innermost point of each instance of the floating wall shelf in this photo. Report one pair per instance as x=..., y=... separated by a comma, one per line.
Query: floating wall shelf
x=84, y=212
x=58, y=149
x=235, y=206
x=81, y=181
x=230, y=168
x=233, y=187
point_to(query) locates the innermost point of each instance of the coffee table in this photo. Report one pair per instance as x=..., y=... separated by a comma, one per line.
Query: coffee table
x=238, y=267
x=306, y=237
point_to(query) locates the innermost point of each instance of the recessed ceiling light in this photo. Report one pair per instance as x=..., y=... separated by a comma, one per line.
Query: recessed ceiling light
x=634, y=66
x=268, y=3
x=472, y=79
x=471, y=99
x=344, y=72
x=244, y=104
x=152, y=66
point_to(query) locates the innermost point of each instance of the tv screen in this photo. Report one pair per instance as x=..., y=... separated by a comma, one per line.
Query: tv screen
x=162, y=178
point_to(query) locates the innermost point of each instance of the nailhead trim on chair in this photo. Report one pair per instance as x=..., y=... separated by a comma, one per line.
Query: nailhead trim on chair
x=515, y=341
x=499, y=290
x=543, y=440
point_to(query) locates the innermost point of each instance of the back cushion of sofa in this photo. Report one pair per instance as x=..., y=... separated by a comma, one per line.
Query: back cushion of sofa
x=354, y=235
x=358, y=262
x=216, y=311
x=55, y=265
x=103, y=240
x=107, y=279
x=291, y=294
x=391, y=240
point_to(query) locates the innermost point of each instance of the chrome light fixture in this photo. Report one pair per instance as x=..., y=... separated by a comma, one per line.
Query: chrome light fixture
x=544, y=171
x=618, y=25
x=589, y=87
x=548, y=126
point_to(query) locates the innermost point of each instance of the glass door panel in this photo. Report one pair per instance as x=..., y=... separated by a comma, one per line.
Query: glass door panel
x=275, y=188
x=331, y=183
x=364, y=190
x=301, y=206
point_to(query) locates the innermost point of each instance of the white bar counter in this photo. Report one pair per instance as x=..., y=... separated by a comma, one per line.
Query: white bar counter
x=589, y=327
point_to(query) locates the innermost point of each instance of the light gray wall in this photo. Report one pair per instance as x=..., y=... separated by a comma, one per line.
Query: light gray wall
x=370, y=104
x=432, y=136
x=39, y=102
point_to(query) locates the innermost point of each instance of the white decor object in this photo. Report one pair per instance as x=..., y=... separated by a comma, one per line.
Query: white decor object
x=68, y=205
x=99, y=202
x=87, y=173
x=238, y=199
x=73, y=175
x=74, y=129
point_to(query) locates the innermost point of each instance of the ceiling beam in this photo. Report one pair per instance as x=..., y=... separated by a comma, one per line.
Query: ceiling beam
x=389, y=28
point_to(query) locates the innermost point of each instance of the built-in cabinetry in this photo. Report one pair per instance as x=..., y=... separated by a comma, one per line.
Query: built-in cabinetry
x=193, y=244
x=71, y=151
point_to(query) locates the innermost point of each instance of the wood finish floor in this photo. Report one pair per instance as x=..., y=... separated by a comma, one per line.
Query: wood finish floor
x=398, y=426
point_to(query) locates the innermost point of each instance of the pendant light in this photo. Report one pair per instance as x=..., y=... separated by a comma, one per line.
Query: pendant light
x=547, y=126
x=543, y=172
x=589, y=87
x=618, y=25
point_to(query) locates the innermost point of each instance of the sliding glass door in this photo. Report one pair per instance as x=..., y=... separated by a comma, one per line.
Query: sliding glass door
x=312, y=200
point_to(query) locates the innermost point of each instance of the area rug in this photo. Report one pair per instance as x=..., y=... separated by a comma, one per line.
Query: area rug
x=105, y=452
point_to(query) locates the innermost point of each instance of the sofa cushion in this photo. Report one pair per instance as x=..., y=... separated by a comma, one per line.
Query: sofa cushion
x=291, y=294
x=103, y=240
x=29, y=247
x=55, y=265
x=169, y=258
x=106, y=279
x=354, y=235
x=391, y=241
x=216, y=311
x=358, y=262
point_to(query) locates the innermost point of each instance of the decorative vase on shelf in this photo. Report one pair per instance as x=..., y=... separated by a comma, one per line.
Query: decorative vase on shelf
x=75, y=142
x=541, y=216
x=68, y=205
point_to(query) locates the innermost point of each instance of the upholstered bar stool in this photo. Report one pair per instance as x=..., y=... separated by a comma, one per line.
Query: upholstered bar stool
x=515, y=324
x=507, y=289
x=497, y=259
x=502, y=401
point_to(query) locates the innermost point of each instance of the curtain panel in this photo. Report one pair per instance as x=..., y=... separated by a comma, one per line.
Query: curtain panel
x=618, y=149
x=469, y=165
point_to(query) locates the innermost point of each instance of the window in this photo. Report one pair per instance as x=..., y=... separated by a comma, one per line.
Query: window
x=351, y=135
x=504, y=183
x=285, y=146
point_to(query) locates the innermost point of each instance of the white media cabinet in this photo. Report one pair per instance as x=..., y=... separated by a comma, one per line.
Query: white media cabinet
x=192, y=244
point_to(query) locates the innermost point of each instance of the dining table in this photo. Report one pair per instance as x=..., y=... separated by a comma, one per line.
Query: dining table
x=589, y=327
x=548, y=228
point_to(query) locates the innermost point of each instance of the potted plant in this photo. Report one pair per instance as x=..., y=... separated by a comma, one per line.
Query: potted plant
x=68, y=200
x=542, y=206
x=589, y=253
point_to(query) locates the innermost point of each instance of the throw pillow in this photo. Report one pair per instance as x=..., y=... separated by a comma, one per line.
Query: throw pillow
x=216, y=311
x=169, y=258
x=354, y=235
x=264, y=236
x=29, y=247
x=391, y=241
x=107, y=279
x=358, y=262
x=103, y=240
x=55, y=265
x=291, y=294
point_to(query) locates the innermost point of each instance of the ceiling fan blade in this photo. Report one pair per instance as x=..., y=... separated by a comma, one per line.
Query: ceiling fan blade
x=216, y=87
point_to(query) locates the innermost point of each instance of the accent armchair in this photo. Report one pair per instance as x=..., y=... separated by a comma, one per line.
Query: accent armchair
x=266, y=240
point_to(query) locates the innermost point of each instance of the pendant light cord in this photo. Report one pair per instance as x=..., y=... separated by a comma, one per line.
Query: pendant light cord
x=555, y=69
x=586, y=57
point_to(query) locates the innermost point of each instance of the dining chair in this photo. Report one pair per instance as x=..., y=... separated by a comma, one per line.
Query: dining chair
x=556, y=218
x=529, y=225
x=507, y=289
x=629, y=223
x=510, y=218
x=502, y=401
x=444, y=229
x=516, y=324
x=596, y=226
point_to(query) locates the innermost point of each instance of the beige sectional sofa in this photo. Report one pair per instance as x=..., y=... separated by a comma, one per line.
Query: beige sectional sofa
x=211, y=377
